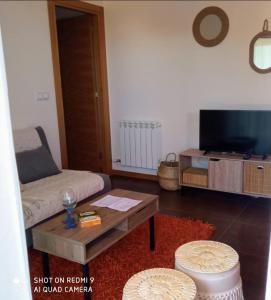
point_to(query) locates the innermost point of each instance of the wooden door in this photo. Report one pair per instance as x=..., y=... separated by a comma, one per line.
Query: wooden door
x=226, y=175
x=80, y=86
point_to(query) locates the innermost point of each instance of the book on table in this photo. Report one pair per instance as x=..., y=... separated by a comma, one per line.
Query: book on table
x=89, y=219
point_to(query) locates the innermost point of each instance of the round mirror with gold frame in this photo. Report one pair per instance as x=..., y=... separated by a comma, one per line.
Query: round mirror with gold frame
x=210, y=26
x=260, y=51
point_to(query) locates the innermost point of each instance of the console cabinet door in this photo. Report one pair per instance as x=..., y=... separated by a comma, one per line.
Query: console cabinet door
x=257, y=178
x=226, y=175
x=267, y=179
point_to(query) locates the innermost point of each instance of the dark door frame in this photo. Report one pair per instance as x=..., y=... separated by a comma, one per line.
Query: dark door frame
x=98, y=11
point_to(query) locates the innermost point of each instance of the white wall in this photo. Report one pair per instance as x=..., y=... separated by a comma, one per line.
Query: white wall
x=158, y=71
x=27, y=48
x=156, y=68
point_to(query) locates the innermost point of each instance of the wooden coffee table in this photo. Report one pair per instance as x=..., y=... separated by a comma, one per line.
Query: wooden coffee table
x=83, y=244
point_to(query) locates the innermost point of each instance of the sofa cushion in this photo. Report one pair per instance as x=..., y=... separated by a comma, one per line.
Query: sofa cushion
x=35, y=164
x=43, y=138
x=41, y=198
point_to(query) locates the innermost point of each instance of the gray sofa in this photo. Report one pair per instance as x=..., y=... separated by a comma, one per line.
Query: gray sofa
x=42, y=181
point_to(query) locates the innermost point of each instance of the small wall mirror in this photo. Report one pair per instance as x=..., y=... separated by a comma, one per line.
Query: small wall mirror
x=260, y=51
x=210, y=26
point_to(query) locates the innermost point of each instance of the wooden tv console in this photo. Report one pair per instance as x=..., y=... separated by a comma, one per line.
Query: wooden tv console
x=226, y=172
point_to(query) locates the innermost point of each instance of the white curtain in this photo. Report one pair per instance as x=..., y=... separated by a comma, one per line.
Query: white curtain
x=14, y=272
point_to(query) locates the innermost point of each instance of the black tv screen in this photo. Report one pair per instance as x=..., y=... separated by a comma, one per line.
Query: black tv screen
x=241, y=131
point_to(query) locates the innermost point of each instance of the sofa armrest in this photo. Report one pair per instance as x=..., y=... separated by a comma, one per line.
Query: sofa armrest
x=107, y=183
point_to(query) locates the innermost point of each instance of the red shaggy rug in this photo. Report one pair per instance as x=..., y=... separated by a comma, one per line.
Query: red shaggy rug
x=115, y=266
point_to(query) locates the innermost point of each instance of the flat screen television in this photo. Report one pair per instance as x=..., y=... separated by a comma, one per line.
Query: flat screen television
x=241, y=131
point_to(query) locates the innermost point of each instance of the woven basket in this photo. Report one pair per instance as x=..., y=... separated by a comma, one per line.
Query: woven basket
x=168, y=173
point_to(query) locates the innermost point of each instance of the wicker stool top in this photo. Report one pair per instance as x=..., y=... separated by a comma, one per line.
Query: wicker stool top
x=206, y=257
x=160, y=284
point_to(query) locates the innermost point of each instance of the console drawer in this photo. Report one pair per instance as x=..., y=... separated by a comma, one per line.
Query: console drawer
x=142, y=215
x=257, y=178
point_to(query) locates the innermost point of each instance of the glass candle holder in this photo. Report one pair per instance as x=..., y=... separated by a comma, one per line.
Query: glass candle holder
x=69, y=203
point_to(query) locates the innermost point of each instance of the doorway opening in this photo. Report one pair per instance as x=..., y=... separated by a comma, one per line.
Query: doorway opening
x=78, y=47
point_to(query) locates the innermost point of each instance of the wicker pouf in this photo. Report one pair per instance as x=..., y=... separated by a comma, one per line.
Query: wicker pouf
x=214, y=267
x=159, y=284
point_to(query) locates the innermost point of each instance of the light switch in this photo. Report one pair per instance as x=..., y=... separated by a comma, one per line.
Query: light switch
x=42, y=96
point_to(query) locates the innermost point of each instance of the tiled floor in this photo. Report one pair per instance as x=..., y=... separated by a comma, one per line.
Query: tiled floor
x=242, y=222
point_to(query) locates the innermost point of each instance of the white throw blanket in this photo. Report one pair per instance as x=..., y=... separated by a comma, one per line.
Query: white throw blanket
x=41, y=198
x=26, y=139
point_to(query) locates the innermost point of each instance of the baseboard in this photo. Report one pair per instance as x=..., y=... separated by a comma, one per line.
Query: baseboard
x=134, y=175
x=119, y=167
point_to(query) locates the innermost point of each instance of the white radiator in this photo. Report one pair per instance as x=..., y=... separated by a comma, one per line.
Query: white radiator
x=140, y=144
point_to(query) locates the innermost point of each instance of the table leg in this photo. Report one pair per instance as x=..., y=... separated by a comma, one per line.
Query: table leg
x=46, y=269
x=152, y=234
x=87, y=295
